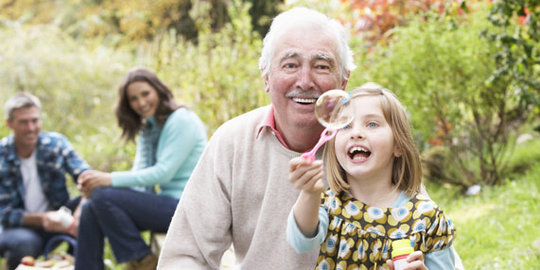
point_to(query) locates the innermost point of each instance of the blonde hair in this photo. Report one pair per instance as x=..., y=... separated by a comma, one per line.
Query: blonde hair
x=406, y=169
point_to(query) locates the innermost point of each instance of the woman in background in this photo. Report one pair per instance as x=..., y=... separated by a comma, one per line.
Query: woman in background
x=170, y=140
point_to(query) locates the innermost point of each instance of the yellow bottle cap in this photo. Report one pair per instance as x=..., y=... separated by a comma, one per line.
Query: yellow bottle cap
x=401, y=247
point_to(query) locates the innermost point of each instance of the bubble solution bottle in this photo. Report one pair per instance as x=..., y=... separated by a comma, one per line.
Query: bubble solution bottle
x=400, y=250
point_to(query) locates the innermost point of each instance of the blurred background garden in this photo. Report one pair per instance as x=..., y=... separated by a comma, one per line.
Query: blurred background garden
x=467, y=71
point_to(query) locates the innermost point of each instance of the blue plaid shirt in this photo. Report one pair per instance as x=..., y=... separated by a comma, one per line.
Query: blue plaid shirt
x=55, y=157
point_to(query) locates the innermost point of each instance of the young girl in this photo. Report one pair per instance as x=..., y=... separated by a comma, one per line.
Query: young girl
x=374, y=173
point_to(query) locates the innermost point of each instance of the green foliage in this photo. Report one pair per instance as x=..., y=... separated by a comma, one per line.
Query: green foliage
x=523, y=159
x=217, y=78
x=516, y=33
x=133, y=20
x=262, y=12
x=439, y=70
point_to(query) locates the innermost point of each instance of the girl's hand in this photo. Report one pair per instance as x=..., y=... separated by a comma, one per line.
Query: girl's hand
x=91, y=179
x=306, y=175
x=415, y=262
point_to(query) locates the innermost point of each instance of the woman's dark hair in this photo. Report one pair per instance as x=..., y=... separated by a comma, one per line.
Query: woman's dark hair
x=129, y=121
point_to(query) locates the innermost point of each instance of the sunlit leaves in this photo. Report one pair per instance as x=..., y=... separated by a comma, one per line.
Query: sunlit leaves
x=440, y=73
x=375, y=19
x=517, y=35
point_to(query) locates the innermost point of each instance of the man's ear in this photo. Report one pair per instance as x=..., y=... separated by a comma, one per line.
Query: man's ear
x=345, y=80
x=9, y=124
x=266, y=83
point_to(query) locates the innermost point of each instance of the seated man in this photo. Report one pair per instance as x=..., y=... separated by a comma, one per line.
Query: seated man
x=33, y=165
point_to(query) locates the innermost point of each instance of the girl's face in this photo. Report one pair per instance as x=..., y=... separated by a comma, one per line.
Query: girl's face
x=366, y=148
x=142, y=98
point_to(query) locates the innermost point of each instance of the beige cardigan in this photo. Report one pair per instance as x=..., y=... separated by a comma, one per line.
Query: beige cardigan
x=239, y=194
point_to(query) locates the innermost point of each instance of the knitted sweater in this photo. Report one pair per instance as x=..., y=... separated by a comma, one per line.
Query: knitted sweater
x=180, y=145
x=239, y=194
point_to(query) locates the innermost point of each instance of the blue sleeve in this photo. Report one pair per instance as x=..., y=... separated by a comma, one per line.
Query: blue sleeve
x=181, y=133
x=299, y=241
x=10, y=216
x=74, y=164
x=441, y=259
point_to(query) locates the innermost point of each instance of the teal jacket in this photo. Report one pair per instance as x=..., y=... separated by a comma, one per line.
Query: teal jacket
x=181, y=143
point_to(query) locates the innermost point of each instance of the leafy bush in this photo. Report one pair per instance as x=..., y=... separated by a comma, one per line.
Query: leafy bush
x=516, y=33
x=439, y=70
x=524, y=159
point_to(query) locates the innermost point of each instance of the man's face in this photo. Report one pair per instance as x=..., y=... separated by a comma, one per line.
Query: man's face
x=26, y=124
x=304, y=65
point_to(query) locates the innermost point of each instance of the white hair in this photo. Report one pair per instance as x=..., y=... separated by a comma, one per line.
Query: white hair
x=304, y=16
x=20, y=100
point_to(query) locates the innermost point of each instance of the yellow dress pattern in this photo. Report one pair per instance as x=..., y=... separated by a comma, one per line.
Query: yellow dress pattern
x=360, y=236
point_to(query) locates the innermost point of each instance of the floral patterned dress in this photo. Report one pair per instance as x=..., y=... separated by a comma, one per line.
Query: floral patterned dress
x=360, y=236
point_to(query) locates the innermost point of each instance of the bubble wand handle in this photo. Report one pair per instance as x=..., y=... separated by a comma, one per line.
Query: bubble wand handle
x=326, y=135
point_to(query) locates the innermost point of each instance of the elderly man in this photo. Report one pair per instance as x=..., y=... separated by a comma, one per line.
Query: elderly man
x=33, y=165
x=239, y=191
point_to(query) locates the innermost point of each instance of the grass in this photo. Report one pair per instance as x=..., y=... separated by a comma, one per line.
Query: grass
x=498, y=228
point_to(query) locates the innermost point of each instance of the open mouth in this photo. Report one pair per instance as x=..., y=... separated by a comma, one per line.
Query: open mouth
x=304, y=100
x=358, y=153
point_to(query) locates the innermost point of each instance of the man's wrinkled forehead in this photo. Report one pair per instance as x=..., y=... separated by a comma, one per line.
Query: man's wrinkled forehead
x=312, y=57
x=26, y=113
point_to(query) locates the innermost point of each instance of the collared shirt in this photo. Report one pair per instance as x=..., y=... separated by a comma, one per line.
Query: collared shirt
x=55, y=157
x=270, y=122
